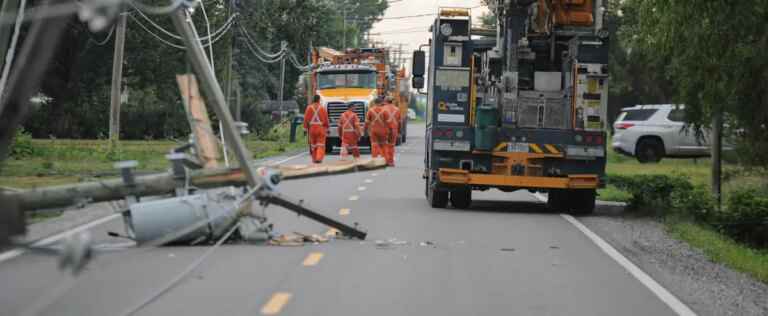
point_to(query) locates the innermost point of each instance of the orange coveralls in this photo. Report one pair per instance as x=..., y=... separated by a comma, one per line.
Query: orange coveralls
x=316, y=124
x=378, y=129
x=349, y=131
x=394, y=128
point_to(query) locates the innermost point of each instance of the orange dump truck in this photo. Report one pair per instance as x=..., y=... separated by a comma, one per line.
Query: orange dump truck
x=357, y=76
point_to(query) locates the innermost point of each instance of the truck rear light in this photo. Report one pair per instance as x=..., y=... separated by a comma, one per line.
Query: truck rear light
x=623, y=125
x=599, y=140
x=589, y=139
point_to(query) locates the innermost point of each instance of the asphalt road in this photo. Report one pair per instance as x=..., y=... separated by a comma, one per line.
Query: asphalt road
x=506, y=256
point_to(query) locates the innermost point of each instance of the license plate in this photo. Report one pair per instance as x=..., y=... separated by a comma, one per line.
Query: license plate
x=518, y=147
x=450, y=145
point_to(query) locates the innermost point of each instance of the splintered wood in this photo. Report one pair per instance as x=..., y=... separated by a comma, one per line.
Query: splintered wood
x=329, y=168
x=206, y=143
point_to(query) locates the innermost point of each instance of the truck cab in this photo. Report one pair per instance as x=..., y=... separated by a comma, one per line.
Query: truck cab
x=340, y=85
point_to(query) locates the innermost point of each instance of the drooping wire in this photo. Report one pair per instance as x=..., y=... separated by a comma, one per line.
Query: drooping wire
x=208, y=28
x=223, y=28
x=183, y=274
x=166, y=42
x=103, y=42
x=12, y=49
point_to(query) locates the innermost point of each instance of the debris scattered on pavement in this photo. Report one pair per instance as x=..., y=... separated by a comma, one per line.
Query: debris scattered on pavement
x=554, y=247
x=507, y=249
x=390, y=243
x=297, y=239
x=426, y=243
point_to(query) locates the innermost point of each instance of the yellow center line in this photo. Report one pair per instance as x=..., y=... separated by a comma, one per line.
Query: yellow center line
x=312, y=259
x=354, y=198
x=344, y=211
x=276, y=303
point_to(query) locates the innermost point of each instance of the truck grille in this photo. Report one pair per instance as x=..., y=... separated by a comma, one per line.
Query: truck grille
x=335, y=109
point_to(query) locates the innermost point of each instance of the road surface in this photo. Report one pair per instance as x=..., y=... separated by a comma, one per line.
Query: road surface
x=506, y=256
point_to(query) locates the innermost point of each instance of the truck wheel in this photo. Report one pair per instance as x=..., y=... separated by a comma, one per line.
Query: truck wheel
x=582, y=201
x=649, y=150
x=435, y=197
x=557, y=200
x=461, y=198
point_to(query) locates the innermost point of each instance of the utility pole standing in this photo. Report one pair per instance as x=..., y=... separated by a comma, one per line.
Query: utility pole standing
x=117, y=78
x=717, y=147
x=282, y=84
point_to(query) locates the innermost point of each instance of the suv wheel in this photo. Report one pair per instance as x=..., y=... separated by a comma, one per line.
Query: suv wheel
x=649, y=150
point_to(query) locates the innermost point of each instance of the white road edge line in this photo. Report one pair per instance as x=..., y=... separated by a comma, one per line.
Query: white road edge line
x=665, y=296
x=287, y=159
x=50, y=239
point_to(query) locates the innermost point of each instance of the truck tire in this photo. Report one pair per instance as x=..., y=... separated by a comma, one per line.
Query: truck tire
x=436, y=198
x=582, y=201
x=461, y=198
x=557, y=200
x=649, y=150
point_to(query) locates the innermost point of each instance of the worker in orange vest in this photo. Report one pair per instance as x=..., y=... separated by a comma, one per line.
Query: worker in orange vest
x=394, y=128
x=350, y=132
x=378, y=129
x=316, y=124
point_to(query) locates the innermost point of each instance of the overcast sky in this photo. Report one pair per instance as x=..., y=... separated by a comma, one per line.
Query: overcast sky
x=412, y=32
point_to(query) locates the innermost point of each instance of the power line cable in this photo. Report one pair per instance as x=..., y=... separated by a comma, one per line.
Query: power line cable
x=166, y=42
x=223, y=28
x=101, y=43
x=208, y=27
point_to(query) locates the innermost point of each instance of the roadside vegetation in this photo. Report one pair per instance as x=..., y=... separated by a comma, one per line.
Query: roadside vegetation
x=677, y=192
x=40, y=162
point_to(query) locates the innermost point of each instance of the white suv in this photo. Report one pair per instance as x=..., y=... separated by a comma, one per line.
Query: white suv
x=650, y=132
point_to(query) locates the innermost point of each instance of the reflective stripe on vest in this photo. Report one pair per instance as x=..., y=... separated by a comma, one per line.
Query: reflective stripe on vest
x=392, y=114
x=346, y=124
x=315, y=116
x=377, y=116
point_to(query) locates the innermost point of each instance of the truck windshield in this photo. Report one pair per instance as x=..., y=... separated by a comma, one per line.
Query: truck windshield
x=347, y=80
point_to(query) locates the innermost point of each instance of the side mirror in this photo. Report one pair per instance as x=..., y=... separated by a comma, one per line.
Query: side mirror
x=417, y=82
x=418, y=69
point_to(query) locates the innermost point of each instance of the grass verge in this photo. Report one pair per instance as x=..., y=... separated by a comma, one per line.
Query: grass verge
x=721, y=249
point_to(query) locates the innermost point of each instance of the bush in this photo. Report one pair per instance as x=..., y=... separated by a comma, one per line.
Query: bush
x=745, y=216
x=22, y=146
x=697, y=203
x=651, y=191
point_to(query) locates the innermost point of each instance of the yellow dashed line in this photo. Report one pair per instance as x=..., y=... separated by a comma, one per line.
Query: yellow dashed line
x=312, y=259
x=276, y=303
x=344, y=211
x=354, y=198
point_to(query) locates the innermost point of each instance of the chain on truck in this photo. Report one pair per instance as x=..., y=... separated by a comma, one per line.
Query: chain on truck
x=357, y=76
x=520, y=107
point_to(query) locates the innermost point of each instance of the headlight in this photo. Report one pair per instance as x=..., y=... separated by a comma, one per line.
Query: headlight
x=446, y=29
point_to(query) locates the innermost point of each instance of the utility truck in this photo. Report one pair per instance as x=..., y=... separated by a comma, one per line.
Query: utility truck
x=522, y=107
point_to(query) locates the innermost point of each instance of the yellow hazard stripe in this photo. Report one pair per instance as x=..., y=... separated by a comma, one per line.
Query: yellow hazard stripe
x=536, y=148
x=552, y=149
x=500, y=147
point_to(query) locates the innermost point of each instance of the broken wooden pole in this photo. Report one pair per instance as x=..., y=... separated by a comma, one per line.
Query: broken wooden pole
x=165, y=183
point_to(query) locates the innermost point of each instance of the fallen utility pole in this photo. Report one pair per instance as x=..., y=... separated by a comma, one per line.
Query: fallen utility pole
x=212, y=89
x=164, y=183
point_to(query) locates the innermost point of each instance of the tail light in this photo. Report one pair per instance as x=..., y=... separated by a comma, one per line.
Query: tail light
x=599, y=140
x=623, y=125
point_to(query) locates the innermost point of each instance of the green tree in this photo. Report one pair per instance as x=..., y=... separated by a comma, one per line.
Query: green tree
x=714, y=55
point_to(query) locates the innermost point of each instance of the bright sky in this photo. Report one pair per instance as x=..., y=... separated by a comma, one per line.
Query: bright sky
x=412, y=32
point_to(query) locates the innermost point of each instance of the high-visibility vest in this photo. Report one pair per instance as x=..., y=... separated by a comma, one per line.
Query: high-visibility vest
x=347, y=122
x=315, y=115
x=377, y=116
x=393, y=111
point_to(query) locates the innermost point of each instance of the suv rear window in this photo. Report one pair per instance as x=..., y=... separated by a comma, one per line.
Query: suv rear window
x=636, y=115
